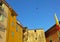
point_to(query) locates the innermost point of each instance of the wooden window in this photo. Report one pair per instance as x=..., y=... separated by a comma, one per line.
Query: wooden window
x=12, y=34
x=12, y=23
x=12, y=15
x=2, y=29
x=16, y=28
x=1, y=17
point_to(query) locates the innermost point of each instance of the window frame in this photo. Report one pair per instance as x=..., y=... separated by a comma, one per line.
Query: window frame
x=16, y=28
x=12, y=15
x=2, y=17
x=12, y=23
x=12, y=34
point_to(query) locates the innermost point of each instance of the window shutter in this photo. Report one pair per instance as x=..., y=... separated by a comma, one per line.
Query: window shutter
x=2, y=18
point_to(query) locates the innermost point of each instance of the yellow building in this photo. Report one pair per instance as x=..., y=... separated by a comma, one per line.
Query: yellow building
x=10, y=29
x=19, y=32
x=36, y=35
x=25, y=34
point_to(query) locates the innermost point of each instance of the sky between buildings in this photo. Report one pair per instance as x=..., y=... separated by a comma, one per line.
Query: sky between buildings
x=36, y=14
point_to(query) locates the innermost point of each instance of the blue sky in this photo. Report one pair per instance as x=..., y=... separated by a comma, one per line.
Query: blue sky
x=36, y=14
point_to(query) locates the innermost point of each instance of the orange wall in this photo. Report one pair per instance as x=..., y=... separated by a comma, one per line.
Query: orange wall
x=54, y=37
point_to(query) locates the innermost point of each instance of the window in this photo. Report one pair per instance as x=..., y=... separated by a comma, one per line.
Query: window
x=59, y=38
x=1, y=3
x=17, y=28
x=35, y=30
x=0, y=37
x=2, y=29
x=36, y=38
x=12, y=15
x=12, y=23
x=50, y=40
x=12, y=34
x=1, y=17
x=59, y=35
x=24, y=31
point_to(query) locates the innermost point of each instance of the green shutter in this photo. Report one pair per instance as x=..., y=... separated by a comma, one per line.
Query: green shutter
x=17, y=28
x=12, y=34
x=2, y=17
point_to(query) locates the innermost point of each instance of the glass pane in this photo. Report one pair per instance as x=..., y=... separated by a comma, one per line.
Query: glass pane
x=13, y=34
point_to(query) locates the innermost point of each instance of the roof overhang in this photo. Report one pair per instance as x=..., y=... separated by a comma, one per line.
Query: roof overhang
x=9, y=7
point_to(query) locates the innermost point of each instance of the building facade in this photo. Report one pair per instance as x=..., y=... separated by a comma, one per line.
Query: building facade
x=25, y=34
x=19, y=32
x=3, y=21
x=52, y=34
x=10, y=29
x=34, y=35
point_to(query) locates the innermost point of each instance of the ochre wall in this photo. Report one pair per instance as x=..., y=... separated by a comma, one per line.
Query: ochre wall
x=54, y=37
x=38, y=36
x=19, y=34
x=11, y=28
x=52, y=34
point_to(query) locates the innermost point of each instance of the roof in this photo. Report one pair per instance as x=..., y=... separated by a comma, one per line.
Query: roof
x=9, y=7
x=51, y=27
x=19, y=24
